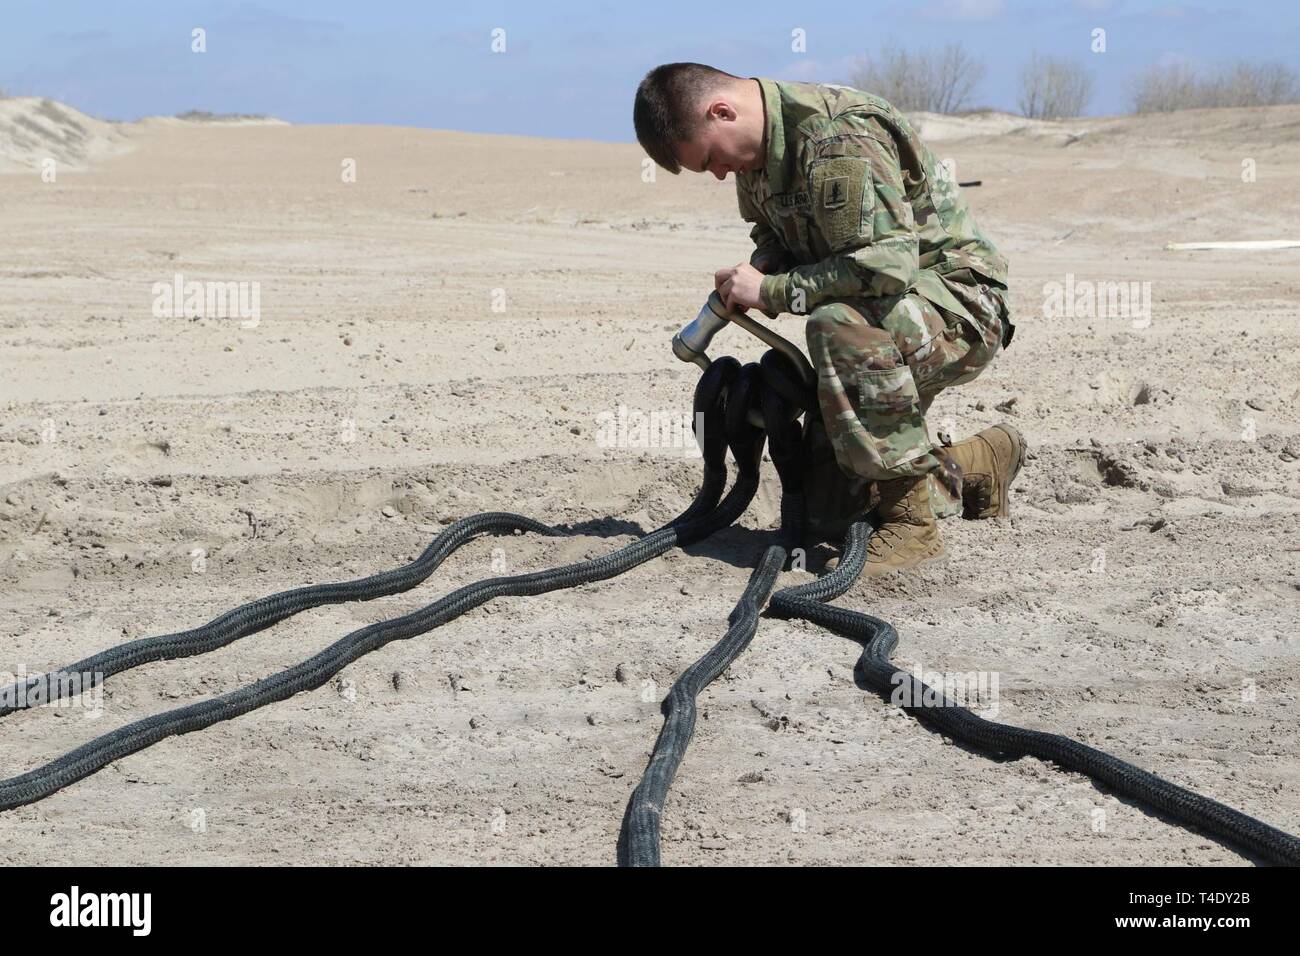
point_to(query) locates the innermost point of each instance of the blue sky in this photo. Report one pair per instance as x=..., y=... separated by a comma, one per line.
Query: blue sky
x=569, y=68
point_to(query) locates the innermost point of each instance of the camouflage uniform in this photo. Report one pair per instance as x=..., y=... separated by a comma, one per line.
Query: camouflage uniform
x=862, y=229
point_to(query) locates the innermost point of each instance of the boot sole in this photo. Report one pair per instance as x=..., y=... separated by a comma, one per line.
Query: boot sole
x=1020, y=450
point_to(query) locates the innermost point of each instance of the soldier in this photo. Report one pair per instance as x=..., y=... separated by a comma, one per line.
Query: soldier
x=858, y=227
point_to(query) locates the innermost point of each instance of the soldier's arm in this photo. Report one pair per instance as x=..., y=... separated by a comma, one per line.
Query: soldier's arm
x=860, y=205
x=769, y=253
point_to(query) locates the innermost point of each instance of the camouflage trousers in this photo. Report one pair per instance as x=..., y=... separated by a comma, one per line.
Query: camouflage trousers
x=880, y=363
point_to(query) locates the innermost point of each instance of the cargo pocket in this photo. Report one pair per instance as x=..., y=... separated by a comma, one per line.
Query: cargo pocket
x=887, y=391
x=889, y=426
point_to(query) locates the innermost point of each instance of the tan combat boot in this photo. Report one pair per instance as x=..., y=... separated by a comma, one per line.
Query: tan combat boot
x=989, y=462
x=907, y=533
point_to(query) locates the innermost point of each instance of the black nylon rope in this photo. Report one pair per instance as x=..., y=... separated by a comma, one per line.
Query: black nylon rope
x=316, y=670
x=699, y=521
x=879, y=639
x=639, y=843
x=723, y=397
x=264, y=612
x=258, y=615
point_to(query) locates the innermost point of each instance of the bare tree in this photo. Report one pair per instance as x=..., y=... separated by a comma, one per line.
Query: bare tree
x=1158, y=89
x=1053, y=87
x=1275, y=83
x=937, y=81
x=1178, y=87
x=956, y=74
x=1249, y=84
x=890, y=73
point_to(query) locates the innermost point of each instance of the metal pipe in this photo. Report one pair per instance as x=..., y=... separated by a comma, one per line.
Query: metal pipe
x=690, y=343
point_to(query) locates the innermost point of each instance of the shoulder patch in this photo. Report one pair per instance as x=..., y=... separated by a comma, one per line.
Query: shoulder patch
x=842, y=198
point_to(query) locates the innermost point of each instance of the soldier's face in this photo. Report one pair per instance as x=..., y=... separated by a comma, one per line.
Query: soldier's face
x=722, y=144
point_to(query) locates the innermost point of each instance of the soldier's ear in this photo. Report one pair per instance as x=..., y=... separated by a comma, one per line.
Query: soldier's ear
x=722, y=110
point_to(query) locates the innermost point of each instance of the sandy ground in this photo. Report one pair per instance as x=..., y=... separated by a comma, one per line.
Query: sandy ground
x=1142, y=598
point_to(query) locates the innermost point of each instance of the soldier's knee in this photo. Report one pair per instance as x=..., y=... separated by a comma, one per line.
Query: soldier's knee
x=840, y=333
x=823, y=322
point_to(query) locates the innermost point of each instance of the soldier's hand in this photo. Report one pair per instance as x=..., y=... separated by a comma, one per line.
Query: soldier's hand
x=739, y=286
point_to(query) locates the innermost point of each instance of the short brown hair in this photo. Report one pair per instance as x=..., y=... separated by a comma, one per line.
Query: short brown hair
x=664, y=110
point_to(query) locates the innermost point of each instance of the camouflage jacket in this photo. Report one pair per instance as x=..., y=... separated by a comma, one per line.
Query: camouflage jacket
x=851, y=203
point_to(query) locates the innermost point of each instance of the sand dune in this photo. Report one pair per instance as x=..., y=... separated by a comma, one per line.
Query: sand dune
x=942, y=127
x=33, y=130
x=446, y=334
